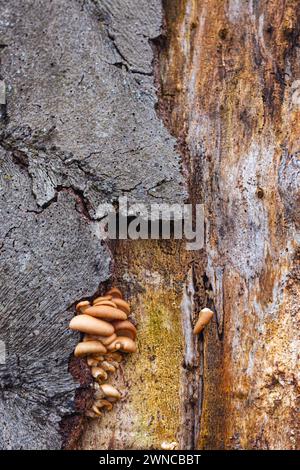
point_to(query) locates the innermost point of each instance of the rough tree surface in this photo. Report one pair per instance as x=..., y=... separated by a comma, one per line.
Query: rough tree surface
x=80, y=128
x=124, y=97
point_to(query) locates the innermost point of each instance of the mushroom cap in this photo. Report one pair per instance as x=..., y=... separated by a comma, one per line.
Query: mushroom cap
x=122, y=343
x=89, y=347
x=98, y=372
x=115, y=292
x=125, y=328
x=110, y=391
x=108, y=313
x=122, y=305
x=92, y=362
x=109, y=303
x=81, y=306
x=93, y=326
x=204, y=318
x=103, y=297
x=104, y=339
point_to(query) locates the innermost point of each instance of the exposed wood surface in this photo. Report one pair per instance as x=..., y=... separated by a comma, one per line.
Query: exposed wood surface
x=161, y=380
x=229, y=83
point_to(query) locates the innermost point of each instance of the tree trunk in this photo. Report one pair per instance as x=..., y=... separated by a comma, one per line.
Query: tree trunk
x=162, y=102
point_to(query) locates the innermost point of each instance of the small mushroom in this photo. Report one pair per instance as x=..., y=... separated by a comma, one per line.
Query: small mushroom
x=108, y=339
x=104, y=404
x=98, y=373
x=204, y=318
x=98, y=357
x=104, y=297
x=82, y=306
x=96, y=410
x=115, y=292
x=122, y=343
x=110, y=391
x=105, y=312
x=107, y=366
x=92, y=362
x=108, y=303
x=89, y=347
x=122, y=305
x=91, y=325
x=125, y=328
x=104, y=339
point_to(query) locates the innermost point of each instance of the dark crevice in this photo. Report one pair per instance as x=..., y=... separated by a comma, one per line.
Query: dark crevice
x=192, y=172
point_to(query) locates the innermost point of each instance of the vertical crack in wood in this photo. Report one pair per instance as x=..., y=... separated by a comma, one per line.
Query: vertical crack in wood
x=192, y=368
x=170, y=106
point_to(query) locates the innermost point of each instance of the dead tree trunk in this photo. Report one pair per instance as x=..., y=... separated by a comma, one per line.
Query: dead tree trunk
x=173, y=102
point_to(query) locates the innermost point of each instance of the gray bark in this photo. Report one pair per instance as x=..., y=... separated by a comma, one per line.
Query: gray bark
x=80, y=128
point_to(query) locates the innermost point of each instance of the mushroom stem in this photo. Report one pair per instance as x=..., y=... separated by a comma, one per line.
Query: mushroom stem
x=123, y=343
x=96, y=410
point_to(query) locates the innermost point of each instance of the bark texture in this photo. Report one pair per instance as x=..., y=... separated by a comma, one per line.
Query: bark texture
x=230, y=82
x=160, y=101
x=79, y=128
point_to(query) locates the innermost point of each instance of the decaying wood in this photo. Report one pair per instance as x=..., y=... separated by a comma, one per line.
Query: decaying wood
x=229, y=81
x=159, y=101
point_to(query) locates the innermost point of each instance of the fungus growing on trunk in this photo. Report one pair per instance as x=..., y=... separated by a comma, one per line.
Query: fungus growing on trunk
x=107, y=330
x=115, y=292
x=92, y=326
x=122, y=305
x=125, y=328
x=106, y=312
x=86, y=348
x=204, y=318
x=122, y=343
x=82, y=306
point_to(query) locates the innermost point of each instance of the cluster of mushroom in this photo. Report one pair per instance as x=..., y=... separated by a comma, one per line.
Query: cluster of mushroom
x=107, y=333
